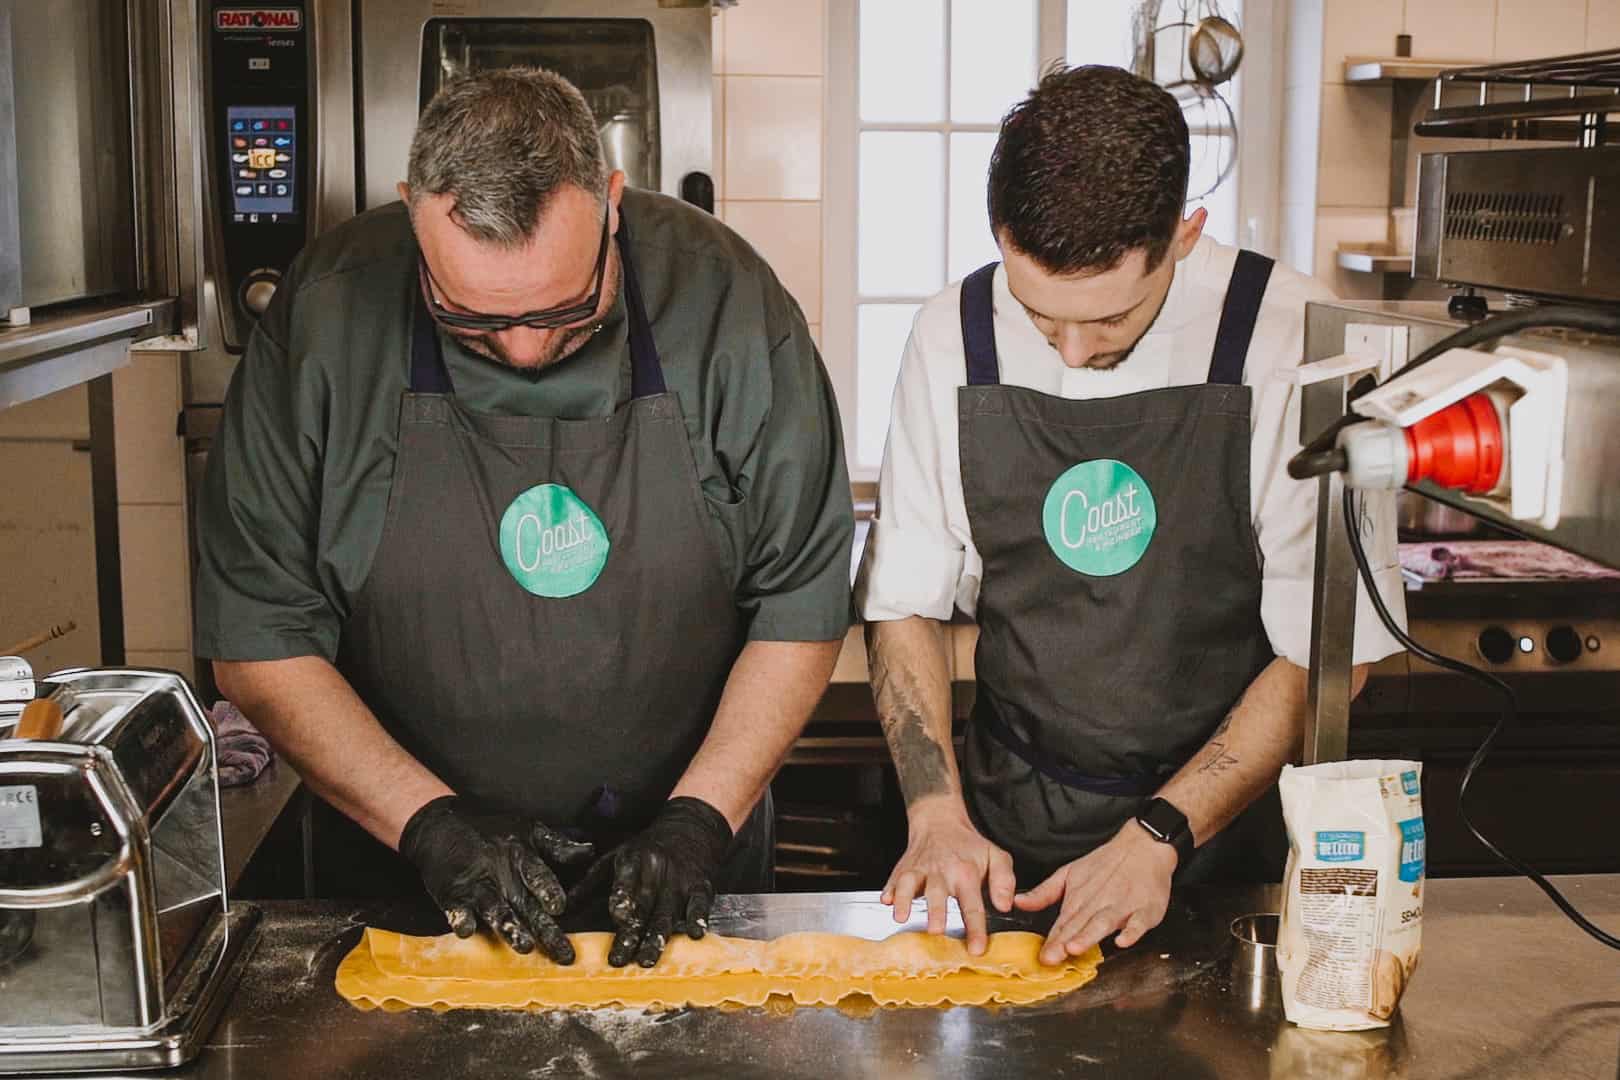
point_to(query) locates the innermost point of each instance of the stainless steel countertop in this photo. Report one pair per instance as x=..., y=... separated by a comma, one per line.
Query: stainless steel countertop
x=1506, y=988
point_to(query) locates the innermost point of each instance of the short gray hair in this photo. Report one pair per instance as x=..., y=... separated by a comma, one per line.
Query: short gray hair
x=500, y=143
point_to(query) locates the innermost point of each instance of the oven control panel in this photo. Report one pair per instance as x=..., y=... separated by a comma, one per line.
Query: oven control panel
x=259, y=138
x=1524, y=645
x=263, y=161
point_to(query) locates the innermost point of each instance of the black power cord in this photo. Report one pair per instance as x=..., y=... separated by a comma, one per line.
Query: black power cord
x=1549, y=317
x=1510, y=715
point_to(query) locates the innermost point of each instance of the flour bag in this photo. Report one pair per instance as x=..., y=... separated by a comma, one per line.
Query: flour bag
x=1352, y=918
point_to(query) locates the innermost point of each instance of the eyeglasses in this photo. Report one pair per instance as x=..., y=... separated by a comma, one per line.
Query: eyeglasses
x=545, y=319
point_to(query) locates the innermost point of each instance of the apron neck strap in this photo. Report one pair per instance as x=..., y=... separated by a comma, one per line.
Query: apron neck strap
x=429, y=375
x=646, y=372
x=1239, y=314
x=979, y=327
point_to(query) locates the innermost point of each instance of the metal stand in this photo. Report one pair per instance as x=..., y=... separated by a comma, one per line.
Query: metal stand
x=104, y=508
x=1333, y=601
x=1333, y=626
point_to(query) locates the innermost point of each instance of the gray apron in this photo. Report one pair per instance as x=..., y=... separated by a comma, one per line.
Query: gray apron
x=1119, y=610
x=550, y=620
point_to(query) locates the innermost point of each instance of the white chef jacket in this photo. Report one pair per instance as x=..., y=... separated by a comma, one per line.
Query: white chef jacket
x=920, y=558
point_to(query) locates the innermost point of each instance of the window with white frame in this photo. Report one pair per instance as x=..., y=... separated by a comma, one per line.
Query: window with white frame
x=916, y=92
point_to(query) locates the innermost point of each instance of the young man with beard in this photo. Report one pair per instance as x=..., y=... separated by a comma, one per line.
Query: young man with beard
x=1087, y=453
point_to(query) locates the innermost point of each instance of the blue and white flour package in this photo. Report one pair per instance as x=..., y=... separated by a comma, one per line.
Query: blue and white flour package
x=1352, y=918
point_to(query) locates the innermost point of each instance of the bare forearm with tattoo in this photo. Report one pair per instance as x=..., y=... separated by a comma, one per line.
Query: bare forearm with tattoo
x=1244, y=755
x=912, y=688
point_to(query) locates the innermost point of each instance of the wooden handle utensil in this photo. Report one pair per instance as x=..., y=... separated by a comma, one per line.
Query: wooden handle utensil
x=40, y=719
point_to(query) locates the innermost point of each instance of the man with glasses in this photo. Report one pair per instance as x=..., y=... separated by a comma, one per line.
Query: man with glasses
x=526, y=535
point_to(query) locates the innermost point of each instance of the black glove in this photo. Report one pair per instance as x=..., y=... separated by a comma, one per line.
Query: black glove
x=490, y=869
x=663, y=880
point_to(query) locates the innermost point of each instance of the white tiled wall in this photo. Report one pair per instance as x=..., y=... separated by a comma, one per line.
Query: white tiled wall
x=152, y=538
x=773, y=137
x=769, y=64
x=1336, y=138
x=47, y=531
x=788, y=234
x=47, y=534
x=1603, y=24
x=1452, y=29
x=1354, y=154
x=157, y=593
x=1361, y=28
x=1531, y=28
x=774, y=37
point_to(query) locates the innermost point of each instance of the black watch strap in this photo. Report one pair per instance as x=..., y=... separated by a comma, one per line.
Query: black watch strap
x=1168, y=825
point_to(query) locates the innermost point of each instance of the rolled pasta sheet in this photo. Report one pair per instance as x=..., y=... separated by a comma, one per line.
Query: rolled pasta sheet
x=393, y=971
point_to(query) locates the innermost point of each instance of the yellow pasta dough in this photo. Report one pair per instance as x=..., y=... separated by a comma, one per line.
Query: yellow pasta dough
x=393, y=971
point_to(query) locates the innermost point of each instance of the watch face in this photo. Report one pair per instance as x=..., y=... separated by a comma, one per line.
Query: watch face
x=1162, y=820
x=1152, y=827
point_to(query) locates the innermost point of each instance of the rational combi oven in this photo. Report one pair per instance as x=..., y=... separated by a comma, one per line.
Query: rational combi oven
x=311, y=104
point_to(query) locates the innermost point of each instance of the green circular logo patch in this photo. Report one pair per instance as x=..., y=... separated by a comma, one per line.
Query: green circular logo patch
x=552, y=543
x=1099, y=517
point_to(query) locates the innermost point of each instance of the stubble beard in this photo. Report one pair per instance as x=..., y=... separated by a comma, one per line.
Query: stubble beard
x=1125, y=354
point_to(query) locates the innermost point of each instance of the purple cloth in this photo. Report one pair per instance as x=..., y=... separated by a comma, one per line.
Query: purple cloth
x=1498, y=560
x=243, y=753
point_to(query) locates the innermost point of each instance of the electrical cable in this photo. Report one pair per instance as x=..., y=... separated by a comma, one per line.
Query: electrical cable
x=1308, y=463
x=1509, y=715
x=1552, y=316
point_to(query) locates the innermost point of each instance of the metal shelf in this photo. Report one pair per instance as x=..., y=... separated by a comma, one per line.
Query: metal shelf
x=64, y=348
x=1577, y=93
x=1598, y=68
x=1373, y=259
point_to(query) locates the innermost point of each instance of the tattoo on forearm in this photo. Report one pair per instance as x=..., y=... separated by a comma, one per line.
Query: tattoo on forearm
x=918, y=758
x=1216, y=757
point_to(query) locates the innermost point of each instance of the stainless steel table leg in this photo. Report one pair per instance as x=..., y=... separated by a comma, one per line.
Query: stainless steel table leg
x=1333, y=622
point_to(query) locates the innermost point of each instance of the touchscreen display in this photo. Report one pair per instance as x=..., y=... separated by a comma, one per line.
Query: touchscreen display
x=263, y=151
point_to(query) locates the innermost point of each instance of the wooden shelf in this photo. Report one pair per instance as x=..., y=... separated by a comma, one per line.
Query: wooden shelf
x=1383, y=70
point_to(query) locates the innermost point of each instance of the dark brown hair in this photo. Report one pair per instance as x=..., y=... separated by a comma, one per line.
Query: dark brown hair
x=1091, y=166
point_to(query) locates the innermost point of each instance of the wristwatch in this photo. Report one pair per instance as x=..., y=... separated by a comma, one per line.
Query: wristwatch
x=1168, y=825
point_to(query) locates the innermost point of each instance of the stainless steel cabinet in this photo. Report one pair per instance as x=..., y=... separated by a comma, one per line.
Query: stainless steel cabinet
x=74, y=196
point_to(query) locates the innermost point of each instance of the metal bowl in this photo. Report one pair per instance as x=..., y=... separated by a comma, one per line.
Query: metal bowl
x=1254, y=970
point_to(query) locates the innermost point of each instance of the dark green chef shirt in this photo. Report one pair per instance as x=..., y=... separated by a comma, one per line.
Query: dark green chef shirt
x=292, y=507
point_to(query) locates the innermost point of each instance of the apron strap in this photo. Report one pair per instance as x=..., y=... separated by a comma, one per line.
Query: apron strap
x=428, y=373
x=1238, y=316
x=430, y=376
x=646, y=371
x=1049, y=767
x=979, y=327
